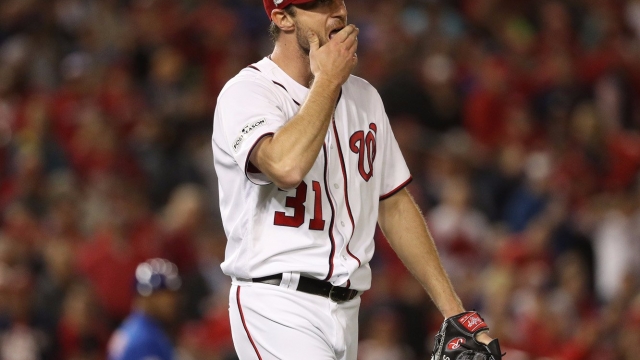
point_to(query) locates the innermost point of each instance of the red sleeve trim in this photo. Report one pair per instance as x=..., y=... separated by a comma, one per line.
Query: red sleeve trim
x=395, y=191
x=248, y=166
x=252, y=169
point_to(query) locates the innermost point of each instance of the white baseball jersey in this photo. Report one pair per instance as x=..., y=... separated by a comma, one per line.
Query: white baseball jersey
x=324, y=228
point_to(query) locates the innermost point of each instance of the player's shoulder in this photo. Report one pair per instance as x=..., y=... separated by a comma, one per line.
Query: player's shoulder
x=247, y=80
x=357, y=86
x=128, y=341
x=134, y=326
x=254, y=78
x=355, y=80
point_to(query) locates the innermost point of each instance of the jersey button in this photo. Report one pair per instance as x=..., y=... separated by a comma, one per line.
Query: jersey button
x=342, y=223
x=344, y=257
x=336, y=186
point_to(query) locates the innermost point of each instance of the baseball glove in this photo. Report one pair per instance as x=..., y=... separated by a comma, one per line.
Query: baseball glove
x=456, y=340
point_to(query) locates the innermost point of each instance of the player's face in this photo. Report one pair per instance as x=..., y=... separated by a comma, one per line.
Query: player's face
x=165, y=304
x=323, y=17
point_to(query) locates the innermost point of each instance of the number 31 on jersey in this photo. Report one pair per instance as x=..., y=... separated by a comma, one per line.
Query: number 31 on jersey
x=297, y=204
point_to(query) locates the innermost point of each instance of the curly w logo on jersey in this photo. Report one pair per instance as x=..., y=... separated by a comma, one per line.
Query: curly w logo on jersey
x=364, y=145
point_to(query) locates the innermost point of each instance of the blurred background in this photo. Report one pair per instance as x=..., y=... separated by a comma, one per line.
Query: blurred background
x=519, y=120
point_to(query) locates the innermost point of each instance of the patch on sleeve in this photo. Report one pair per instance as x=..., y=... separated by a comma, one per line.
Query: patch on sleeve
x=248, y=129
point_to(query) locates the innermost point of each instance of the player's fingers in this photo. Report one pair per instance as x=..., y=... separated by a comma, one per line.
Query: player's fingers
x=351, y=39
x=314, y=42
x=352, y=51
x=484, y=337
x=352, y=45
x=344, y=34
x=351, y=42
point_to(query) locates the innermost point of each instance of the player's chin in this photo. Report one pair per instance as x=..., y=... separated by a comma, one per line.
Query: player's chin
x=322, y=40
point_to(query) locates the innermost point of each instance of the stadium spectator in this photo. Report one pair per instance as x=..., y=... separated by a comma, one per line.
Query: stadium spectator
x=145, y=333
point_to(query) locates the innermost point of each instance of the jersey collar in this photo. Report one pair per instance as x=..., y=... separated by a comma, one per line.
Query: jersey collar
x=298, y=92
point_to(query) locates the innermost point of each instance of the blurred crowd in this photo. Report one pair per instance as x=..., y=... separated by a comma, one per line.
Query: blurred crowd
x=519, y=120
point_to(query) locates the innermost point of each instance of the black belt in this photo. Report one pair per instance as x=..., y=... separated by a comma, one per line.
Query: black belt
x=314, y=287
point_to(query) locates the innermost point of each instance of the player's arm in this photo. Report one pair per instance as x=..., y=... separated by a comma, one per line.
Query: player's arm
x=287, y=156
x=407, y=233
x=404, y=227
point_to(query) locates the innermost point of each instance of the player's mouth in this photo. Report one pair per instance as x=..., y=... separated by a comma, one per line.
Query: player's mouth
x=335, y=31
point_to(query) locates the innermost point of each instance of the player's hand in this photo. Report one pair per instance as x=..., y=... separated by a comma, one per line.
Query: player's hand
x=484, y=338
x=335, y=60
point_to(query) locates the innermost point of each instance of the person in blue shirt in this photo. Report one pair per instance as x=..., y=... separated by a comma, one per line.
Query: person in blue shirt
x=141, y=335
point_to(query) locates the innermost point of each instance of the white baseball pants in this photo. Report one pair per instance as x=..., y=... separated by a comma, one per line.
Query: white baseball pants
x=271, y=322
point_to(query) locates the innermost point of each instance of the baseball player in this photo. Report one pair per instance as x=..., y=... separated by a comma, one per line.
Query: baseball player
x=307, y=163
x=141, y=335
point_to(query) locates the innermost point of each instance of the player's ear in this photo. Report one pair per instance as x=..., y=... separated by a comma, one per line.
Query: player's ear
x=282, y=20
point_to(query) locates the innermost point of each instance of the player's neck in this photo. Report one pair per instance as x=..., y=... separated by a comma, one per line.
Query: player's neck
x=290, y=58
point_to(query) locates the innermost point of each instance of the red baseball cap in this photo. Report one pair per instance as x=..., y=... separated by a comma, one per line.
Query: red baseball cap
x=270, y=5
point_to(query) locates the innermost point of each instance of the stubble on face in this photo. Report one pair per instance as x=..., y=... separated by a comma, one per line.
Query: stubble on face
x=303, y=40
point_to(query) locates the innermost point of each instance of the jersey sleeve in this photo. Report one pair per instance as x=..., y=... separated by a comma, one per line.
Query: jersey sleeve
x=395, y=173
x=247, y=111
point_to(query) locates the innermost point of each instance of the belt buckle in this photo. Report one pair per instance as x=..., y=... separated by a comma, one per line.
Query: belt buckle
x=331, y=296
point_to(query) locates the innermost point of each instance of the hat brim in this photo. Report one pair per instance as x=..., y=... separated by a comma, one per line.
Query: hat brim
x=270, y=5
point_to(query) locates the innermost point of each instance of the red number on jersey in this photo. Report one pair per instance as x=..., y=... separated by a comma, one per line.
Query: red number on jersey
x=317, y=223
x=297, y=204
